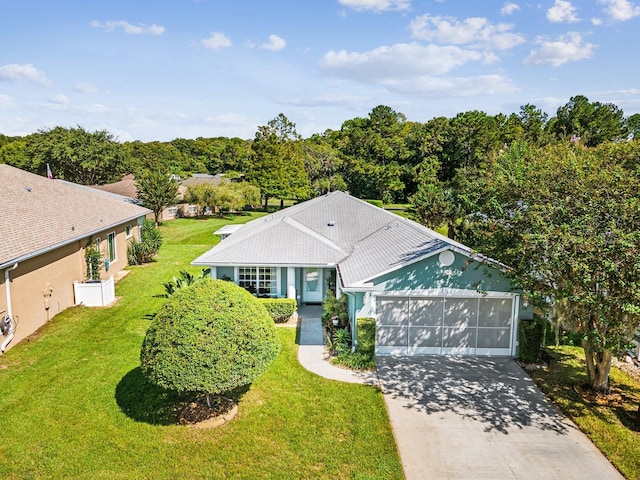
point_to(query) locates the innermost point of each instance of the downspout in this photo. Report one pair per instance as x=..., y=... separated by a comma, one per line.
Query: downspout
x=7, y=290
x=351, y=309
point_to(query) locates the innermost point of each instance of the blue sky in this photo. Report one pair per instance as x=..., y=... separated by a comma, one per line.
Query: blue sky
x=148, y=70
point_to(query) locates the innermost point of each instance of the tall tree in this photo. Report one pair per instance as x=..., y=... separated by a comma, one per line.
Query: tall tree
x=587, y=122
x=276, y=165
x=375, y=154
x=567, y=221
x=76, y=155
x=156, y=190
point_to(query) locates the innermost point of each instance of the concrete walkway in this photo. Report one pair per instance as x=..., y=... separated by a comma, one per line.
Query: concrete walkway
x=312, y=356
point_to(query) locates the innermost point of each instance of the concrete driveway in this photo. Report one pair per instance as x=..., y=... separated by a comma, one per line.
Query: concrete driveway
x=478, y=418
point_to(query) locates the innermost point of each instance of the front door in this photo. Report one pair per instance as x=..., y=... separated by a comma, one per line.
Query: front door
x=312, y=285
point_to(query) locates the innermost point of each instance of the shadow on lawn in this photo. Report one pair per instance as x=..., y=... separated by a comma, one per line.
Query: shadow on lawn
x=145, y=402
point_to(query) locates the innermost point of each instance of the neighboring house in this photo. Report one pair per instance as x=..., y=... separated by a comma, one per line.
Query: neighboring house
x=429, y=294
x=45, y=226
x=127, y=187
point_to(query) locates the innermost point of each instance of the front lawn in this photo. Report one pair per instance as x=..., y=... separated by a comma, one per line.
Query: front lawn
x=612, y=428
x=75, y=405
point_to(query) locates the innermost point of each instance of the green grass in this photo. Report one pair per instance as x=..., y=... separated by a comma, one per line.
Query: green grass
x=611, y=428
x=75, y=405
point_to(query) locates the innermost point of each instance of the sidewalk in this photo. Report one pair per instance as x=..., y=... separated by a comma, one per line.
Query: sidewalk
x=312, y=357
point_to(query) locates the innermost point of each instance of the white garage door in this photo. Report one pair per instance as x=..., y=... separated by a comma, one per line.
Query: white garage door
x=438, y=325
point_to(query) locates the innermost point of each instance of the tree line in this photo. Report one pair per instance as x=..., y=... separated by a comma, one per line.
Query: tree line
x=557, y=199
x=382, y=156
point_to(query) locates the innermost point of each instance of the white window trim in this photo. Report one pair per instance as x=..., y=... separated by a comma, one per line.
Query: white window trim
x=130, y=228
x=236, y=274
x=115, y=248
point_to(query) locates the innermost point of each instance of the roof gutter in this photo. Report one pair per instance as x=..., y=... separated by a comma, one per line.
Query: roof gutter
x=55, y=246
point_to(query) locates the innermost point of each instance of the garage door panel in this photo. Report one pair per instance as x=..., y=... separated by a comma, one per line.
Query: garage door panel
x=461, y=312
x=425, y=336
x=426, y=312
x=391, y=336
x=495, y=312
x=494, y=337
x=480, y=325
x=393, y=311
x=459, y=337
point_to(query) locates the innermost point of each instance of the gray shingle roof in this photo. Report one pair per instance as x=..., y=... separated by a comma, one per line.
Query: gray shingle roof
x=335, y=229
x=39, y=214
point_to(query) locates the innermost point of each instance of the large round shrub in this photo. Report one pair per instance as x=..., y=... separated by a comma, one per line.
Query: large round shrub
x=211, y=337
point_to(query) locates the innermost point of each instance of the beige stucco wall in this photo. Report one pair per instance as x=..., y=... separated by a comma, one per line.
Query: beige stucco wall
x=42, y=287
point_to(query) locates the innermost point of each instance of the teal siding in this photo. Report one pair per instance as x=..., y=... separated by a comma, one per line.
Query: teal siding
x=464, y=273
x=225, y=272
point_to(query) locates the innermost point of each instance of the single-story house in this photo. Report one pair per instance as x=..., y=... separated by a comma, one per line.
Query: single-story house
x=428, y=293
x=127, y=187
x=45, y=227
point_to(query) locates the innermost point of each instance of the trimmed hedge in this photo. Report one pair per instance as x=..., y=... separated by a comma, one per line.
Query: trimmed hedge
x=531, y=334
x=364, y=357
x=280, y=309
x=211, y=337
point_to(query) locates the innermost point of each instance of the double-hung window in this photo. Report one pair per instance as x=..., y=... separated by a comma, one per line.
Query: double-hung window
x=261, y=281
x=111, y=247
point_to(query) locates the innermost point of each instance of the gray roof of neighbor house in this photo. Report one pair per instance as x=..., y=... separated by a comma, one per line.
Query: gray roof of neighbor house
x=125, y=187
x=39, y=214
x=362, y=240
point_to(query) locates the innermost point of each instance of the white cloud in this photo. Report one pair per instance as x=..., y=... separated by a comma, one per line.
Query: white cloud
x=475, y=32
x=562, y=11
x=596, y=21
x=60, y=99
x=399, y=60
x=128, y=28
x=324, y=100
x=455, y=86
x=620, y=10
x=85, y=87
x=216, y=40
x=5, y=101
x=509, y=8
x=376, y=5
x=23, y=73
x=566, y=48
x=274, y=44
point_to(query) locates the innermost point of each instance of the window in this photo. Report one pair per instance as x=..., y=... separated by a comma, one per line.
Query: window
x=127, y=231
x=173, y=211
x=261, y=281
x=111, y=247
x=193, y=209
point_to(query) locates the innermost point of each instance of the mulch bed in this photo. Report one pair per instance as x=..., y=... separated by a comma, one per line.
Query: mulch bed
x=199, y=414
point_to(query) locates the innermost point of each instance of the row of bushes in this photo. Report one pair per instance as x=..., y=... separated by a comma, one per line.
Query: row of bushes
x=280, y=309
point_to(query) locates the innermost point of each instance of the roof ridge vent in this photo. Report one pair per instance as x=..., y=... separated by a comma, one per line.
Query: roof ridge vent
x=331, y=223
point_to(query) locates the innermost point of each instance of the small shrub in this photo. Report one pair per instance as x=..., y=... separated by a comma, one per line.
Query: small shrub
x=364, y=356
x=531, y=336
x=377, y=203
x=280, y=309
x=139, y=252
x=93, y=259
x=185, y=280
x=333, y=306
